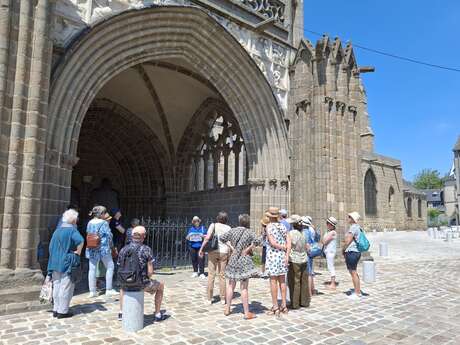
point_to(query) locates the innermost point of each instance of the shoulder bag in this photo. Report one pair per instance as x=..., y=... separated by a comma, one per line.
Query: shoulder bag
x=213, y=242
x=93, y=240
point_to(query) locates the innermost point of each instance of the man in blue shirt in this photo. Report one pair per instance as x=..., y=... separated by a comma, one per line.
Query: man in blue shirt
x=195, y=235
x=283, y=219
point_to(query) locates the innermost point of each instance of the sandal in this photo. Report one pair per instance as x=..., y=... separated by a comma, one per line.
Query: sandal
x=227, y=312
x=284, y=310
x=274, y=311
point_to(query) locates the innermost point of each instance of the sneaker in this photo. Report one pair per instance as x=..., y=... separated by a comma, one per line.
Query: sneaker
x=160, y=317
x=92, y=295
x=120, y=316
x=194, y=275
x=202, y=276
x=354, y=297
x=64, y=316
x=109, y=293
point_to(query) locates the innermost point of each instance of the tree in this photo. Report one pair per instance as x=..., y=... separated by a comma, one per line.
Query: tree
x=428, y=179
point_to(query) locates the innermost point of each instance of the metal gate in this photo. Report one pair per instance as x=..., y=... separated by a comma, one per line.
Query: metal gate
x=166, y=237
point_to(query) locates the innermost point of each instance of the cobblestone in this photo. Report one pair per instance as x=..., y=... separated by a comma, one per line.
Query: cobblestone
x=415, y=300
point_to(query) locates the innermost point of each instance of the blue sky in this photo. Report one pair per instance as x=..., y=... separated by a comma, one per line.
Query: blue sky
x=415, y=110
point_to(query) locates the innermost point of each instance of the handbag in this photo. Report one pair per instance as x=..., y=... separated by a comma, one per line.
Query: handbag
x=46, y=292
x=213, y=243
x=93, y=240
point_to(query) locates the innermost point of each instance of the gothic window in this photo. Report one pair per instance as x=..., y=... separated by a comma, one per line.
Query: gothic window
x=220, y=158
x=370, y=193
x=419, y=208
x=409, y=207
x=391, y=194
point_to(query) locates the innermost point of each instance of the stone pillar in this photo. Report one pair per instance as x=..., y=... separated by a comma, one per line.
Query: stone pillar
x=24, y=105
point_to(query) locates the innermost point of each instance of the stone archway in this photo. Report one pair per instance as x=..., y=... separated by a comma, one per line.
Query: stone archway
x=181, y=34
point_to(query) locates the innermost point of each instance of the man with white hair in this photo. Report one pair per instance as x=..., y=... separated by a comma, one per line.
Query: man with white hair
x=145, y=261
x=64, y=257
x=283, y=219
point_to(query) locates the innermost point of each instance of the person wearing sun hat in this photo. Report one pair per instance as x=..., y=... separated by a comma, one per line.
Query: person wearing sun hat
x=194, y=237
x=314, y=250
x=351, y=252
x=297, y=272
x=278, y=250
x=330, y=248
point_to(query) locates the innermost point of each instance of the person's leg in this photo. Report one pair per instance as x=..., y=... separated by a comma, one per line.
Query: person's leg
x=56, y=276
x=291, y=284
x=194, y=257
x=274, y=291
x=159, y=298
x=294, y=286
x=212, y=263
x=109, y=266
x=330, y=257
x=222, y=265
x=264, y=258
x=282, y=282
x=66, y=293
x=356, y=282
x=245, y=297
x=122, y=294
x=303, y=286
x=200, y=265
x=92, y=276
x=229, y=295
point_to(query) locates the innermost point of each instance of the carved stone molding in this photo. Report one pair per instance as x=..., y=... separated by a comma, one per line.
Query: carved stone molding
x=340, y=106
x=329, y=101
x=69, y=161
x=284, y=185
x=256, y=182
x=272, y=183
x=302, y=105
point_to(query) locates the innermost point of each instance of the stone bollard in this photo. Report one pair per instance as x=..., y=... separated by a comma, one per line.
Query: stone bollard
x=430, y=233
x=133, y=311
x=383, y=249
x=449, y=236
x=368, y=271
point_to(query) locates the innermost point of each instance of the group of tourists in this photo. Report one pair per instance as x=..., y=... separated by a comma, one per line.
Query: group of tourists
x=289, y=247
x=109, y=248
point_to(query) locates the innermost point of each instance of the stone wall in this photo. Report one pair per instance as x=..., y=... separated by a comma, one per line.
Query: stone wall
x=207, y=204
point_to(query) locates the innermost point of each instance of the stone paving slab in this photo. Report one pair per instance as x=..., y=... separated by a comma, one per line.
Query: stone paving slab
x=415, y=300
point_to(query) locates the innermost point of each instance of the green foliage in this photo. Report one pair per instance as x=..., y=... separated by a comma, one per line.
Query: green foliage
x=257, y=259
x=428, y=179
x=433, y=213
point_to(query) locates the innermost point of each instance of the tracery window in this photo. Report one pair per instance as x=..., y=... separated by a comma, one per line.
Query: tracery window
x=220, y=158
x=370, y=193
x=391, y=194
x=409, y=207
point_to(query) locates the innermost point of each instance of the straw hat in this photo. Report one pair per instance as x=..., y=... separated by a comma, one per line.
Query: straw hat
x=306, y=220
x=355, y=216
x=332, y=221
x=294, y=219
x=273, y=212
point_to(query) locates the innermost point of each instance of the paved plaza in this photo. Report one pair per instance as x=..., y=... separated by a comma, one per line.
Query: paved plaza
x=415, y=300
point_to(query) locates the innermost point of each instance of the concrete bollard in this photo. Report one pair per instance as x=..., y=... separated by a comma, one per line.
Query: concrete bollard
x=133, y=311
x=383, y=249
x=368, y=271
x=430, y=233
x=449, y=236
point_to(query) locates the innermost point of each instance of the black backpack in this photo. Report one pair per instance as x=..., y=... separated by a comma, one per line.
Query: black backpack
x=130, y=270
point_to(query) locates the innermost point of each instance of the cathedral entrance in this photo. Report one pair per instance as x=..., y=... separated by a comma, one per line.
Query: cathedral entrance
x=159, y=141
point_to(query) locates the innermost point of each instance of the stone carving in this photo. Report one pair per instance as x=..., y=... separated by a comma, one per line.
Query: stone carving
x=72, y=16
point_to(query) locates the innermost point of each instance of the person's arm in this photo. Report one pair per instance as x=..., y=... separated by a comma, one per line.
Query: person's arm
x=206, y=239
x=288, y=249
x=79, y=248
x=150, y=270
x=273, y=243
x=120, y=229
x=329, y=237
x=347, y=241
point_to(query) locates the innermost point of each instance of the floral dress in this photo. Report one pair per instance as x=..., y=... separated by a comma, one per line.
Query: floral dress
x=240, y=267
x=103, y=229
x=275, y=264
